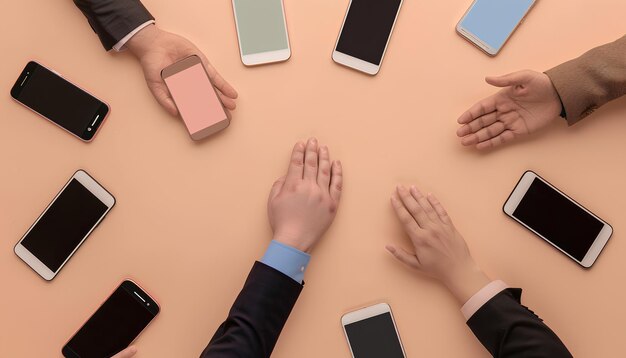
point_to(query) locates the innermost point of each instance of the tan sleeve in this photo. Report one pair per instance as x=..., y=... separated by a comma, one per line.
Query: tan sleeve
x=591, y=80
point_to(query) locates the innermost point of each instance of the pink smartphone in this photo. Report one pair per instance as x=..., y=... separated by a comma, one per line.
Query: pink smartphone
x=195, y=97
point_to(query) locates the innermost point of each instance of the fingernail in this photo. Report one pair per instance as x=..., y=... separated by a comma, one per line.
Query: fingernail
x=133, y=349
x=338, y=162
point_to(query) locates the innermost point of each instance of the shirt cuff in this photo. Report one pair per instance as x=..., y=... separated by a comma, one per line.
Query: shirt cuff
x=481, y=297
x=286, y=259
x=119, y=46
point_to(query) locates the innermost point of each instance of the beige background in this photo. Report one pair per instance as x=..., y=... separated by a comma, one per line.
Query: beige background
x=190, y=217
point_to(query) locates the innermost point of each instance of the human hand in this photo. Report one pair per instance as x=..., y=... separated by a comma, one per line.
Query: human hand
x=303, y=204
x=439, y=249
x=528, y=103
x=126, y=353
x=157, y=49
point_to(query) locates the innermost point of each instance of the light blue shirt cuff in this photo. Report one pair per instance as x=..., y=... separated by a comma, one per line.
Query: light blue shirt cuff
x=286, y=259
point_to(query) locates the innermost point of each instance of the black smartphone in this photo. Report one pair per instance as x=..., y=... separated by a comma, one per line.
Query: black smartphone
x=48, y=94
x=115, y=325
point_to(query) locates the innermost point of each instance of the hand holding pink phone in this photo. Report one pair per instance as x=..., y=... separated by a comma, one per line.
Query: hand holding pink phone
x=195, y=97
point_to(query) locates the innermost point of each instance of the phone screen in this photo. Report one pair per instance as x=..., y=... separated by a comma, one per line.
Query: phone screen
x=53, y=97
x=558, y=219
x=64, y=225
x=367, y=28
x=261, y=26
x=374, y=337
x=195, y=98
x=114, y=325
x=493, y=21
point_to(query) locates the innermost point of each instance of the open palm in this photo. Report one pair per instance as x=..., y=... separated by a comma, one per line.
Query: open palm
x=528, y=103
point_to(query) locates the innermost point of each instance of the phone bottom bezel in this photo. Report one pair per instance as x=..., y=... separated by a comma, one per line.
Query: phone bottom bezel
x=355, y=63
x=262, y=58
x=476, y=41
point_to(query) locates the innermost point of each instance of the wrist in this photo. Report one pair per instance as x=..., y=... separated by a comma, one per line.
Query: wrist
x=465, y=282
x=143, y=40
x=295, y=241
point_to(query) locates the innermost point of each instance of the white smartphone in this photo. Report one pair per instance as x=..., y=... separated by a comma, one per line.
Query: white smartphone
x=365, y=34
x=63, y=226
x=372, y=333
x=488, y=24
x=558, y=219
x=261, y=31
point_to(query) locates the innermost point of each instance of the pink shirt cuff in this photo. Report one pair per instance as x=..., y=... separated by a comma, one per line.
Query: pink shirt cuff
x=481, y=297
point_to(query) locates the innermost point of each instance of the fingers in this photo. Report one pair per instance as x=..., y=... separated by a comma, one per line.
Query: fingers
x=423, y=202
x=218, y=81
x=484, y=134
x=336, y=181
x=162, y=95
x=311, y=160
x=296, y=164
x=413, y=207
x=407, y=220
x=479, y=109
x=323, y=175
x=228, y=102
x=506, y=136
x=477, y=124
x=439, y=209
x=277, y=187
x=404, y=256
x=126, y=353
x=512, y=79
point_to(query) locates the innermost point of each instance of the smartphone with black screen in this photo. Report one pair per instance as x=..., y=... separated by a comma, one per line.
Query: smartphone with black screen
x=51, y=96
x=365, y=34
x=115, y=325
x=555, y=217
x=372, y=333
x=64, y=225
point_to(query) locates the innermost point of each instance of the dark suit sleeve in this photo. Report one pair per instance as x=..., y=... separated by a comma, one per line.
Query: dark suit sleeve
x=508, y=329
x=113, y=19
x=257, y=316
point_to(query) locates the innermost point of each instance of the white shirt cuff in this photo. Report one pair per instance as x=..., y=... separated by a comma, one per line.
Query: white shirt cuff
x=119, y=46
x=481, y=297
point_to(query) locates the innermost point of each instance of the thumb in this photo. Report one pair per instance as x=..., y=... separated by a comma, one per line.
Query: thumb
x=162, y=95
x=278, y=185
x=512, y=79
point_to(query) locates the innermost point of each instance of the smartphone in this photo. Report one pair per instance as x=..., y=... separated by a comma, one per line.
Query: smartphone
x=115, y=325
x=365, y=34
x=261, y=31
x=64, y=225
x=51, y=96
x=488, y=24
x=558, y=219
x=372, y=333
x=195, y=97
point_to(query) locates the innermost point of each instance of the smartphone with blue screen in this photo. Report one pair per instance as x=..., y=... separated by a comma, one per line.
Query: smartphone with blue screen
x=488, y=24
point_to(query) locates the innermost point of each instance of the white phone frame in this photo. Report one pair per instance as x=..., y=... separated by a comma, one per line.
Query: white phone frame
x=262, y=58
x=365, y=313
x=520, y=191
x=491, y=51
x=356, y=63
x=97, y=190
